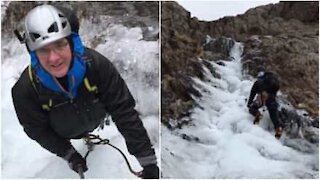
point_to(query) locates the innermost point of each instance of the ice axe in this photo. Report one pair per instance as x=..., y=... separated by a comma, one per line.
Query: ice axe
x=80, y=172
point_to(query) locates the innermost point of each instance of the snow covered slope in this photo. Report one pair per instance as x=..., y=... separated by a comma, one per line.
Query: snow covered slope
x=221, y=140
x=136, y=59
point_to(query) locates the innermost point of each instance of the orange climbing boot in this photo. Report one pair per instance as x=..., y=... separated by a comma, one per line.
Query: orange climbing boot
x=278, y=132
x=258, y=118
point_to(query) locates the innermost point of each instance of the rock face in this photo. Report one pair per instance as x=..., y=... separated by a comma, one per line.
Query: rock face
x=282, y=38
x=130, y=14
x=179, y=51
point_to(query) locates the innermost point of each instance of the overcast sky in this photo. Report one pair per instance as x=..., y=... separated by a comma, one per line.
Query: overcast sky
x=213, y=10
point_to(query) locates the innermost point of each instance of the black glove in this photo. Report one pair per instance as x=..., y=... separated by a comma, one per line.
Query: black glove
x=76, y=161
x=150, y=172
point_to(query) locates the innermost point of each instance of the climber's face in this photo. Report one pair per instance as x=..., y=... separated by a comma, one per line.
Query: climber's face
x=55, y=57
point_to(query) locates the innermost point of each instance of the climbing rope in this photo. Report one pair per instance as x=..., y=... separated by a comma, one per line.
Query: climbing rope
x=91, y=140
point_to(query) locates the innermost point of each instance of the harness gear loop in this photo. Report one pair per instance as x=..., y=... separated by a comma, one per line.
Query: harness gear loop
x=47, y=106
x=92, y=140
x=89, y=87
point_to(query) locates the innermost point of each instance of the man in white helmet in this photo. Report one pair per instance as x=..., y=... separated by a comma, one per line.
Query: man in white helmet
x=67, y=90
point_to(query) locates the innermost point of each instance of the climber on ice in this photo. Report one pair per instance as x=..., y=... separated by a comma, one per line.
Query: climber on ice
x=67, y=90
x=266, y=88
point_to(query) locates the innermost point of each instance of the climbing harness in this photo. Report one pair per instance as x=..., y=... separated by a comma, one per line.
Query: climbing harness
x=91, y=140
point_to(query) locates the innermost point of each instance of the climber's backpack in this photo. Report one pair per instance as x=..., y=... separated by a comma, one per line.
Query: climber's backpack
x=271, y=82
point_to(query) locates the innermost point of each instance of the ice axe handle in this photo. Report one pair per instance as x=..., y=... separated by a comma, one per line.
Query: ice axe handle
x=80, y=172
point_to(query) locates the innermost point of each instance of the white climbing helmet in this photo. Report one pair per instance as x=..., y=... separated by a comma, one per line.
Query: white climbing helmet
x=45, y=24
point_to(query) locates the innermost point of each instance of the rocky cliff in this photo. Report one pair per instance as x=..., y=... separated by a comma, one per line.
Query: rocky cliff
x=130, y=14
x=281, y=37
